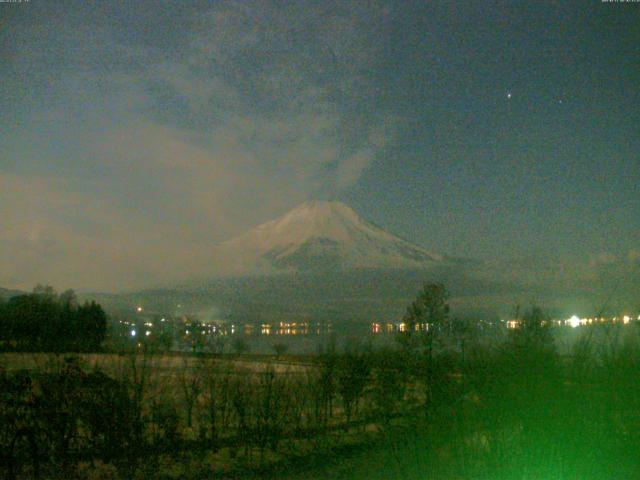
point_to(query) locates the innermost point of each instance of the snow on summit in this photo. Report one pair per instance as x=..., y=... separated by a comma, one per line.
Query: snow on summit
x=325, y=235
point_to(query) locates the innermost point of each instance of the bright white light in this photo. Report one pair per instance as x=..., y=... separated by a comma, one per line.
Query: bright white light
x=626, y=319
x=139, y=309
x=574, y=321
x=147, y=333
x=133, y=333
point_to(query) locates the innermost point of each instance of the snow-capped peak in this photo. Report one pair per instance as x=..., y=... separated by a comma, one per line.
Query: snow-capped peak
x=327, y=234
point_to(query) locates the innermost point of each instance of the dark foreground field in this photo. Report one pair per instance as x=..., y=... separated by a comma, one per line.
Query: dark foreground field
x=509, y=409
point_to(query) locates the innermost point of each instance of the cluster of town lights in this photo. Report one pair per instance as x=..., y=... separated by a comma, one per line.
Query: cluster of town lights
x=574, y=321
x=293, y=328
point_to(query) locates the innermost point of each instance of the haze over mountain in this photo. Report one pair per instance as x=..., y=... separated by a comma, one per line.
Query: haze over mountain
x=320, y=260
x=323, y=235
x=323, y=260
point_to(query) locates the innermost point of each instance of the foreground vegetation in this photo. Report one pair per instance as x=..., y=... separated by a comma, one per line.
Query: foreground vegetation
x=445, y=403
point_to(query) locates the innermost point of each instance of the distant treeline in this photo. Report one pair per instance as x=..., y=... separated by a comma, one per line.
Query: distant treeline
x=49, y=322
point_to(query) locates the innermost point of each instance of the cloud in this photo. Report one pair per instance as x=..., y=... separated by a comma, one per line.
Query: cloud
x=127, y=159
x=602, y=259
x=61, y=235
x=353, y=167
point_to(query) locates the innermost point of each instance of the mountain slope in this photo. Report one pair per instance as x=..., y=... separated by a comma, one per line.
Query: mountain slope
x=326, y=235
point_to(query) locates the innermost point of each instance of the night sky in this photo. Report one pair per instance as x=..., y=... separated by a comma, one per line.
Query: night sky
x=135, y=135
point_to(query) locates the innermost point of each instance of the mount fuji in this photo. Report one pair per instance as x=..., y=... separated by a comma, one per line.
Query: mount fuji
x=321, y=236
x=321, y=261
